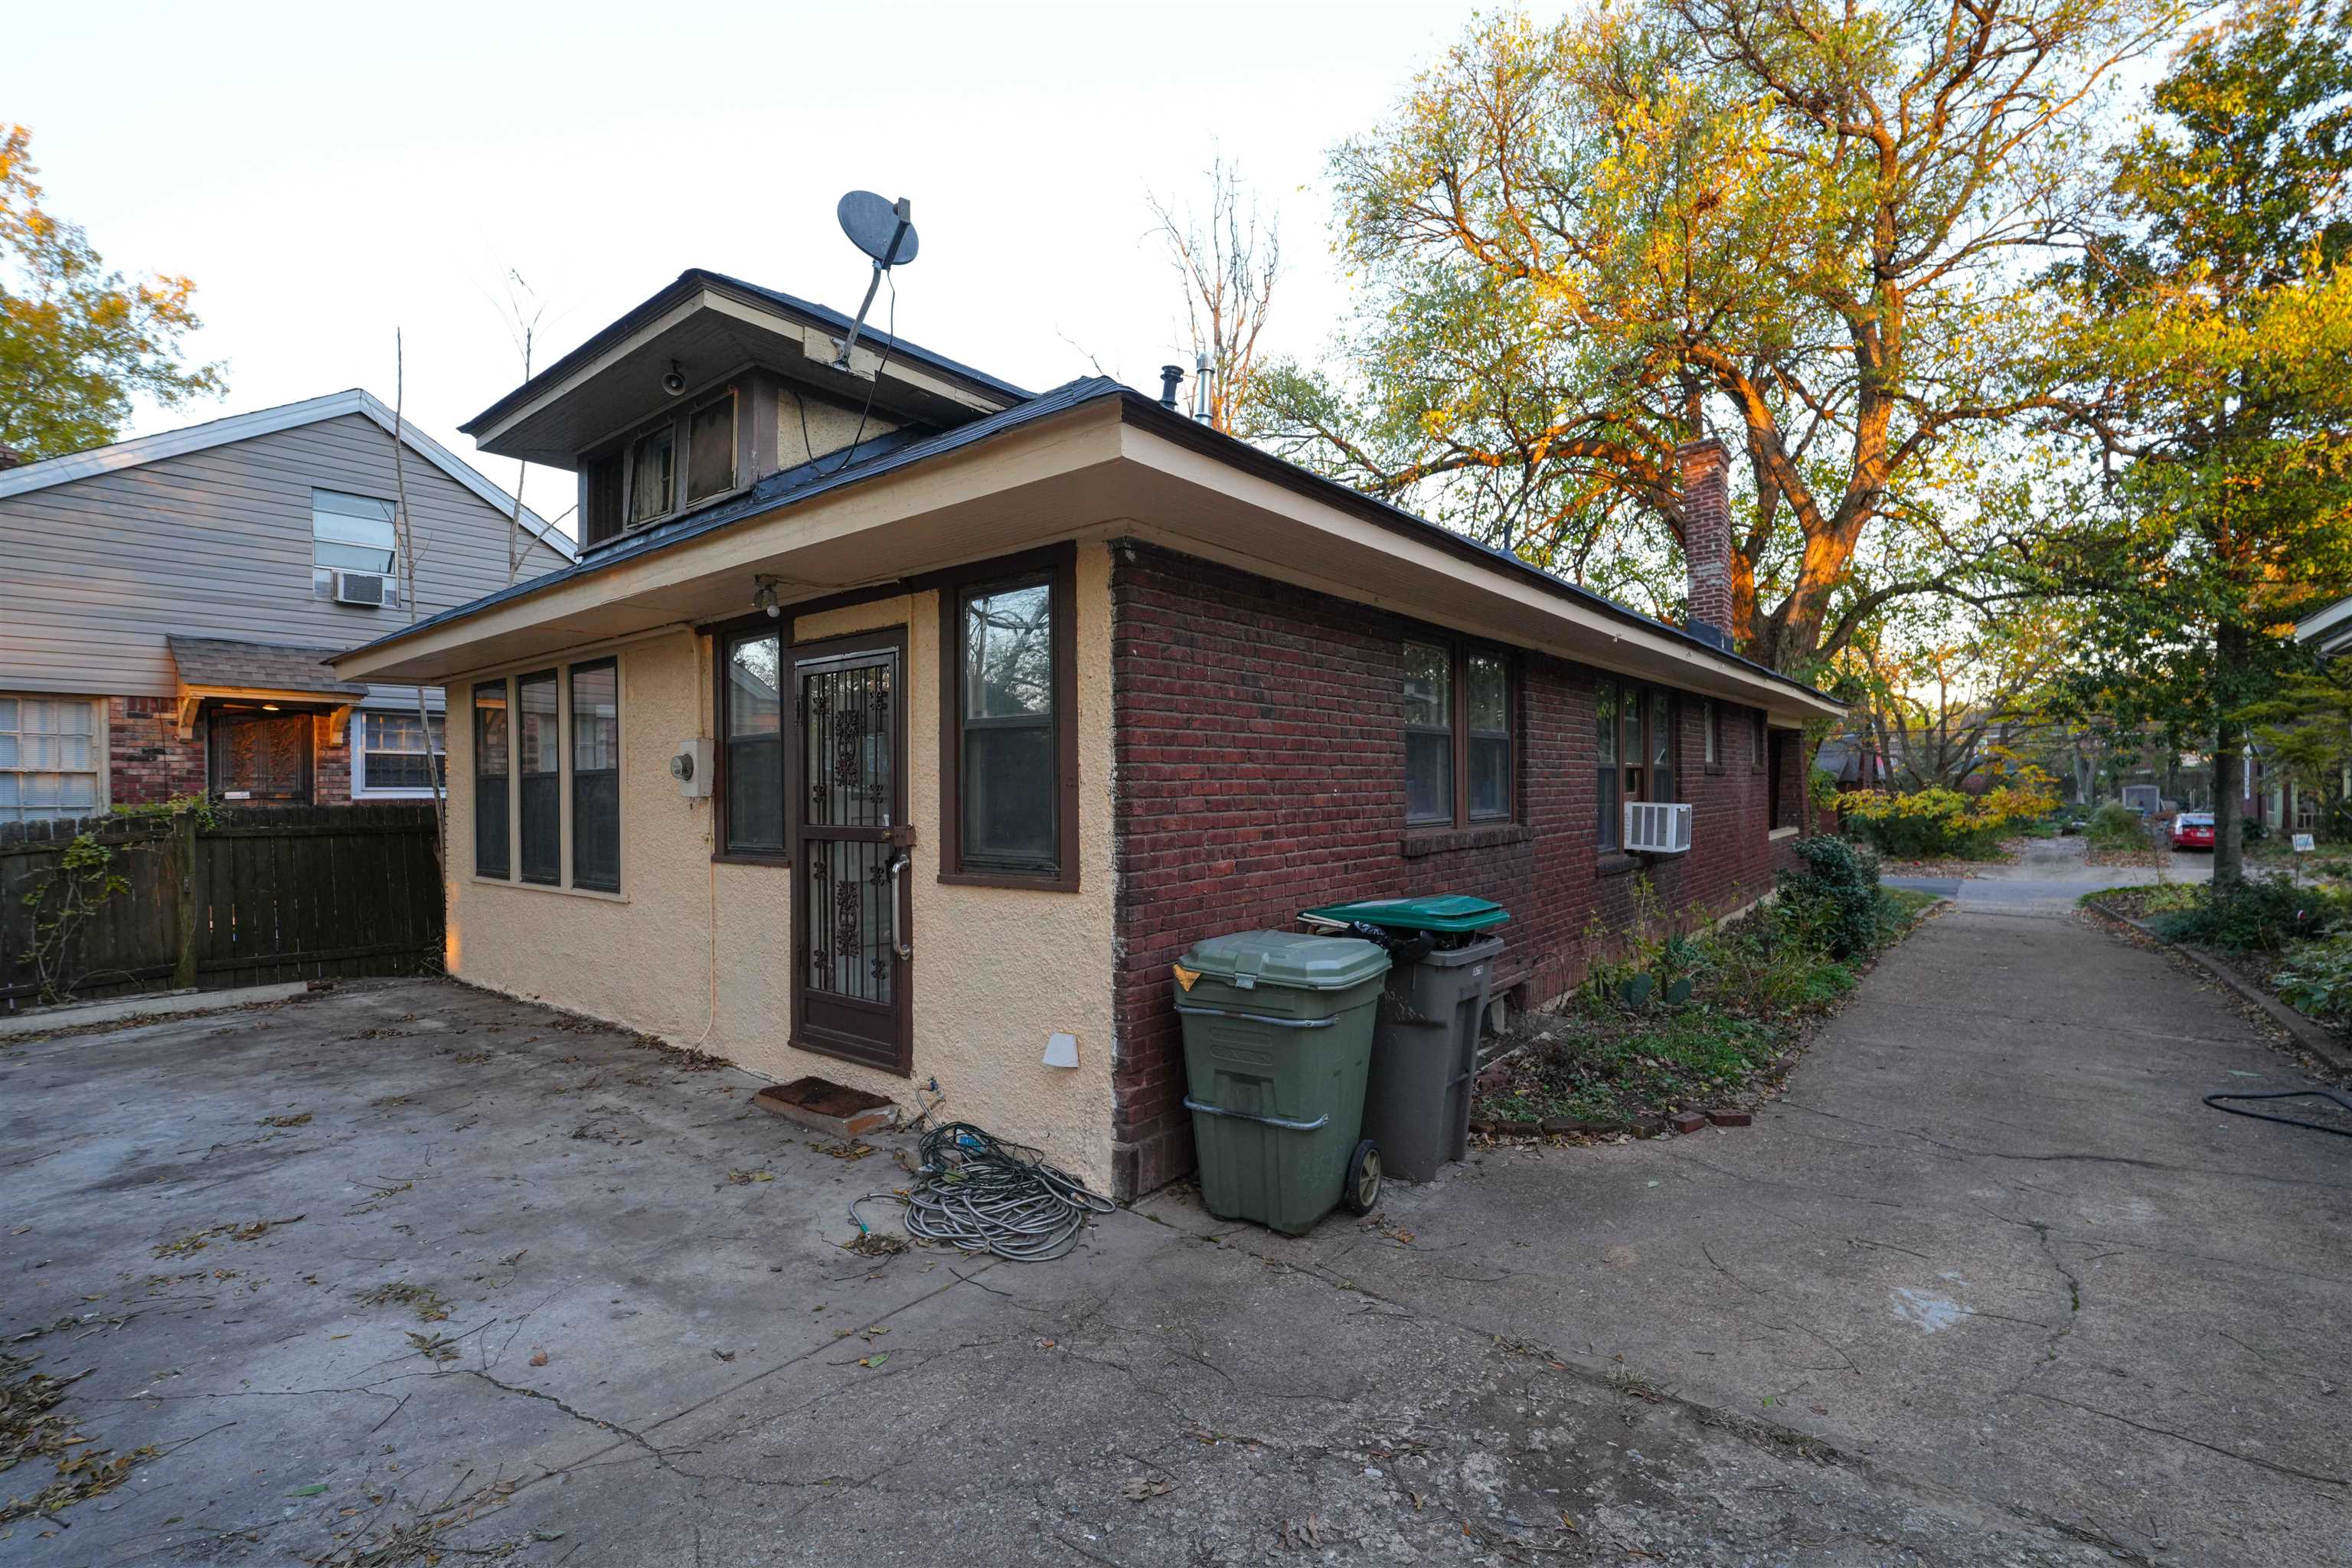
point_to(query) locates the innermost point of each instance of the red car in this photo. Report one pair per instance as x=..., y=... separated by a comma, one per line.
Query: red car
x=2193, y=830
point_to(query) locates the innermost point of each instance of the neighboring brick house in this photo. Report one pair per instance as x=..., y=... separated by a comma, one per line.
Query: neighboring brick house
x=167, y=606
x=900, y=726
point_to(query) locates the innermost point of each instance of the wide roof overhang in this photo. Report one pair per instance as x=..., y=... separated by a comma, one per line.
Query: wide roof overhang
x=1111, y=467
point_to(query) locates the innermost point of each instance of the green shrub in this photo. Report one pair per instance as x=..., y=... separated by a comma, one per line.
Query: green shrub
x=2317, y=978
x=1838, y=889
x=2261, y=914
x=2115, y=826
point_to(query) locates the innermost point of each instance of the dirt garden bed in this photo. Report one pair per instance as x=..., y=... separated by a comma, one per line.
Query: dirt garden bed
x=1605, y=1064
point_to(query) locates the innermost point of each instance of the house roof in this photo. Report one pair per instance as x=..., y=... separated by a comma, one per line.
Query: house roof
x=258, y=666
x=2331, y=629
x=694, y=279
x=143, y=449
x=892, y=454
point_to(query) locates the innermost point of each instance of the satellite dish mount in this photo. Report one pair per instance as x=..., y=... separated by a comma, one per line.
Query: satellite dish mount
x=884, y=231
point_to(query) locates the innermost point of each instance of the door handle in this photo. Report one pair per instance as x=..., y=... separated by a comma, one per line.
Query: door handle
x=898, y=864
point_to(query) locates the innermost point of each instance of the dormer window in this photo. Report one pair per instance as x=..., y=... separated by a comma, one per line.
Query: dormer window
x=642, y=483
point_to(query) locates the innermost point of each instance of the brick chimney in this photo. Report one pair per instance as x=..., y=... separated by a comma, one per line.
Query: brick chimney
x=12, y=459
x=1707, y=537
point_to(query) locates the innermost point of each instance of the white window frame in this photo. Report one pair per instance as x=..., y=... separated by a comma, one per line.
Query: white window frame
x=360, y=788
x=322, y=578
x=99, y=768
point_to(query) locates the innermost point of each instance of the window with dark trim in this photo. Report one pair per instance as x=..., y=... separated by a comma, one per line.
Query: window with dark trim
x=1634, y=735
x=491, y=854
x=540, y=791
x=750, y=784
x=1711, y=725
x=1756, y=753
x=1008, y=724
x=1459, y=761
x=597, y=775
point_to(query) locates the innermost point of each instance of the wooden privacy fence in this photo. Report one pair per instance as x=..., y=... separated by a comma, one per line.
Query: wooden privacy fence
x=251, y=896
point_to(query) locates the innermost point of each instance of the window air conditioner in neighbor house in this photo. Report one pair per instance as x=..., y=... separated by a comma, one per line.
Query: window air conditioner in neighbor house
x=1654, y=828
x=361, y=588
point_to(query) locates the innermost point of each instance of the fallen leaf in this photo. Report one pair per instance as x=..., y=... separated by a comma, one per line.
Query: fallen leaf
x=311, y=1490
x=875, y=1360
x=538, y=1360
x=1138, y=1487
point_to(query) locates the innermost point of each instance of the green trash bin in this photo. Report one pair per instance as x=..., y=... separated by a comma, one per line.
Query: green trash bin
x=1278, y=1034
x=1426, y=1045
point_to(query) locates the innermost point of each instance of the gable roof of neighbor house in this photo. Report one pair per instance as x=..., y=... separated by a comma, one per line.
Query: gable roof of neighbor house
x=907, y=449
x=2331, y=629
x=143, y=450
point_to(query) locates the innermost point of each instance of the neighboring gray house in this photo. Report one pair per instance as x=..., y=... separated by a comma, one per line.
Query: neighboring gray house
x=166, y=603
x=2330, y=630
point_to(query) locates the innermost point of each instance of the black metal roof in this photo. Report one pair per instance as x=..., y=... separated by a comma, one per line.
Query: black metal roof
x=694, y=279
x=904, y=448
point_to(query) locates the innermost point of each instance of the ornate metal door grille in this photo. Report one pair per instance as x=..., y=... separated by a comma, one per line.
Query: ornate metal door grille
x=848, y=726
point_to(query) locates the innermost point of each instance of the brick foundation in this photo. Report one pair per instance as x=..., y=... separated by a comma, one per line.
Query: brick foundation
x=1261, y=767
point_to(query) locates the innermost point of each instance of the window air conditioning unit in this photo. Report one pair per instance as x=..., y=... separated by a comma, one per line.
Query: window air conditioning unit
x=367, y=588
x=1653, y=828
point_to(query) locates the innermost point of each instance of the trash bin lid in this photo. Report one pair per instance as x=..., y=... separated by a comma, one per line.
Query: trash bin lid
x=1443, y=913
x=1299, y=960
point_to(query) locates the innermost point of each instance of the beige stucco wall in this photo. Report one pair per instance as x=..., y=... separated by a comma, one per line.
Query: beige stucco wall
x=700, y=954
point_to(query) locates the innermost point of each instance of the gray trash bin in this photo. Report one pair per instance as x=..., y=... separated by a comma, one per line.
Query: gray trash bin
x=1424, y=1056
x=1425, y=1043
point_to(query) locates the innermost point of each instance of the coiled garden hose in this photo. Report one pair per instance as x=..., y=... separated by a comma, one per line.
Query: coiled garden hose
x=979, y=1192
x=2339, y=1101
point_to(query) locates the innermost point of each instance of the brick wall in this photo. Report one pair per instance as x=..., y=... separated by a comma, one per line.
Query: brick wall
x=1260, y=758
x=146, y=759
x=147, y=762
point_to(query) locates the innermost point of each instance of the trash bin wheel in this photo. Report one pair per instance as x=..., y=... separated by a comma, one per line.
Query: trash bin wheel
x=1363, y=1178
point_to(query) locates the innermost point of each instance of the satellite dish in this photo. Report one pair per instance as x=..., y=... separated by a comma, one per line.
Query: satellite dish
x=872, y=224
x=884, y=231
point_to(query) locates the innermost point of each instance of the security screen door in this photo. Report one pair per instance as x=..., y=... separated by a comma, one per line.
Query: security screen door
x=851, y=933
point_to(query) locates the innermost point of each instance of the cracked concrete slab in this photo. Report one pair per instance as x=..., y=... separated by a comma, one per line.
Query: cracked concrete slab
x=1989, y=1289
x=2009, y=1252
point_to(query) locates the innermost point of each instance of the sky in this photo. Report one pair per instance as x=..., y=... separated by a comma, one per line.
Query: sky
x=328, y=174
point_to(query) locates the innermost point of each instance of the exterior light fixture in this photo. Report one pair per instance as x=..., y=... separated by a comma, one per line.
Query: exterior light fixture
x=763, y=597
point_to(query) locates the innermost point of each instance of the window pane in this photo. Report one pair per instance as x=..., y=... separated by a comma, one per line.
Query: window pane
x=755, y=744
x=1610, y=815
x=353, y=532
x=1630, y=709
x=1010, y=798
x=595, y=716
x=1604, y=706
x=1428, y=686
x=1486, y=694
x=1429, y=775
x=540, y=745
x=490, y=779
x=597, y=775
x=1490, y=777
x=710, y=450
x=1710, y=720
x=1008, y=653
x=652, y=479
x=1662, y=746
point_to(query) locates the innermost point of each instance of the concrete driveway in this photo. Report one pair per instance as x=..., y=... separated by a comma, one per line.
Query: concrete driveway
x=2051, y=875
x=1988, y=1288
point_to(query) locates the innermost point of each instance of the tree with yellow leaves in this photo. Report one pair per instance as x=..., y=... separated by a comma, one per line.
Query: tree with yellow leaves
x=2205, y=348
x=1813, y=226
x=79, y=342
